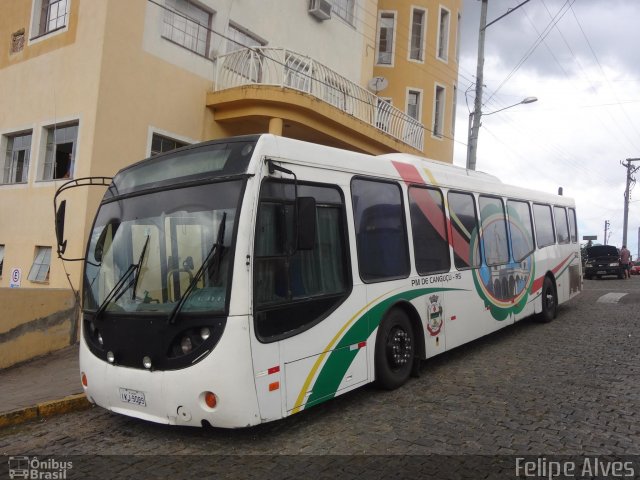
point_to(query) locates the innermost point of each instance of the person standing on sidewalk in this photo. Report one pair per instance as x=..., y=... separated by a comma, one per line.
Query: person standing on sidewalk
x=625, y=256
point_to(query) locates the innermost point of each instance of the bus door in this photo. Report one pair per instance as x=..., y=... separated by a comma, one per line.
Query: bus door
x=303, y=300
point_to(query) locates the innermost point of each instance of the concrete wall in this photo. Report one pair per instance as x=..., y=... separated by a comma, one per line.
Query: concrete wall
x=34, y=322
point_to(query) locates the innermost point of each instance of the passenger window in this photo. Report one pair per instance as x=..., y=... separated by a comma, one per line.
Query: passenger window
x=562, y=228
x=429, y=226
x=494, y=231
x=520, y=229
x=464, y=230
x=381, y=235
x=294, y=290
x=573, y=229
x=544, y=225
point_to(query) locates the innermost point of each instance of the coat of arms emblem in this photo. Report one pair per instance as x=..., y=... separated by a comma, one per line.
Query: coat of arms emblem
x=434, y=323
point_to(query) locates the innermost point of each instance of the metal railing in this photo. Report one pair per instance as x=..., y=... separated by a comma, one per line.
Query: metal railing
x=284, y=68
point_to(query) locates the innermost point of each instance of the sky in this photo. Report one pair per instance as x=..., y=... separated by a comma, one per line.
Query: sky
x=581, y=59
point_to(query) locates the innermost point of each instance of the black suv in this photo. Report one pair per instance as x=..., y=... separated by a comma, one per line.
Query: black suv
x=602, y=260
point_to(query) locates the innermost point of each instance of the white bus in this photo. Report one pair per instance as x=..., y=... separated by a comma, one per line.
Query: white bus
x=243, y=280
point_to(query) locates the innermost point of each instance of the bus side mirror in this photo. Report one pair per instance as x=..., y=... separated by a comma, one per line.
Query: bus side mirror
x=306, y=209
x=60, y=214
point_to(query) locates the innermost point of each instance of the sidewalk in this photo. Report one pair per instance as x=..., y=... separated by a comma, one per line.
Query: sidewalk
x=41, y=387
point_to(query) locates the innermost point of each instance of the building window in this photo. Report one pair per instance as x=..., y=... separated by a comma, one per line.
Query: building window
x=453, y=110
x=344, y=9
x=188, y=25
x=438, y=111
x=40, y=269
x=413, y=104
x=458, y=39
x=416, y=45
x=50, y=15
x=1, y=258
x=443, y=35
x=161, y=144
x=16, y=160
x=384, y=111
x=386, y=32
x=60, y=153
x=240, y=38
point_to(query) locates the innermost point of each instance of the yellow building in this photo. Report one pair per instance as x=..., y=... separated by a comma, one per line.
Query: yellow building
x=90, y=86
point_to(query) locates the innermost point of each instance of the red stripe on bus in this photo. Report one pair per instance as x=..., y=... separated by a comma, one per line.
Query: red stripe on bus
x=431, y=210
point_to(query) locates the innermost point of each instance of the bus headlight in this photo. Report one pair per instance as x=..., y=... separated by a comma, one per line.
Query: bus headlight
x=186, y=345
x=205, y=333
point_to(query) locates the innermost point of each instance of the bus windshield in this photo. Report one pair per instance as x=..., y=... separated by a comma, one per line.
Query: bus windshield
x=146, y=250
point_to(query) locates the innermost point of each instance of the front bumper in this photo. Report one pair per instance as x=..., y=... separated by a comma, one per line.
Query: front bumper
x=176, y=397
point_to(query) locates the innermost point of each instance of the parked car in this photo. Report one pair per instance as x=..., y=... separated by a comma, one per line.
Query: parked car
x=602, y=260
x=635, y=268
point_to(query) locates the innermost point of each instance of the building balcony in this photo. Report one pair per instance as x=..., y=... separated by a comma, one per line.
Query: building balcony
x=253, y=86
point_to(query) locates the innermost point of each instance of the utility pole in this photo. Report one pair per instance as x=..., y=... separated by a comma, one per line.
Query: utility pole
x=474, y=129
x=627, y=193
x=477, y=106
x=606, y=228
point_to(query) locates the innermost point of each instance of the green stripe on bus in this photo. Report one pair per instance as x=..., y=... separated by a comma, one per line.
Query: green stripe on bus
x=342, y=356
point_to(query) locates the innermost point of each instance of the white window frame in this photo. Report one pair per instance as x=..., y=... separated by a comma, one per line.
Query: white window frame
x=383, y=121
x=35, y=33
x=382, y=13
x=44, y=151
x=5, y=157
x=438, y=121
x=423, y=45
x=346, y=10
x=440, y=47
x=420, y=93
x=165, y=133
x=2, y=249
x=169, y=21
x=458, y=38
x=454, y=108
x=41, y=259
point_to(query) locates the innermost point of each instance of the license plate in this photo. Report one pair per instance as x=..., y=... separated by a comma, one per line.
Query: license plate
x=601, y=272
x=133, y=396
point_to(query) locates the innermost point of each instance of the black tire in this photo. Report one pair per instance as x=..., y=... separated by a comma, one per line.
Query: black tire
x=549, y=301
x=395, y=350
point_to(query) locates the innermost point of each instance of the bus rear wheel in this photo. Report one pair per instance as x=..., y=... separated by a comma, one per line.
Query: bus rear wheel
x=549, y=301
x=395, y=350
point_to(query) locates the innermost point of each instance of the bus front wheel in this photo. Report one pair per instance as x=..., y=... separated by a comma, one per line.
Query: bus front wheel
x=549, y=301
x=395, y=350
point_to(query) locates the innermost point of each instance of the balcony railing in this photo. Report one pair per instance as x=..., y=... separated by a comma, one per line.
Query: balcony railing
x=284, y=68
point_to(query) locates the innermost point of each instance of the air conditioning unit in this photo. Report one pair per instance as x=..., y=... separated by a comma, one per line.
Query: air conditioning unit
x=321, y=9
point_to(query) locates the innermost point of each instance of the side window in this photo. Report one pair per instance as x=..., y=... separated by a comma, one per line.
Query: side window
x=573, y=229
x=293, y=290
x=40, y=268
x=464, y=230
x=381, y=235
x=562, y=228
x=520, y=229
x=429, y=227
x=60, y=152
x=544, y=225
x=494, y=231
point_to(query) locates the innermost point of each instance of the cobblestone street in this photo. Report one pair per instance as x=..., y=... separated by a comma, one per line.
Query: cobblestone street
x=569, y=387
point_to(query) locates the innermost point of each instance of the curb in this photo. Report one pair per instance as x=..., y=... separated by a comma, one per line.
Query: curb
x=68, y=404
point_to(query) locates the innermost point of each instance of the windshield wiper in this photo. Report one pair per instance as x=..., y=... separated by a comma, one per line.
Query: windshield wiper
x=213, y=258
x=117, y=291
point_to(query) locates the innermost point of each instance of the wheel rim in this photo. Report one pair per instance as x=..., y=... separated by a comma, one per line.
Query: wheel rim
x=399, y=348
x=551, y=302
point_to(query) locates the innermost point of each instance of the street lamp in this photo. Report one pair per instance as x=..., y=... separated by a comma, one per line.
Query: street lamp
x=472, y=141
